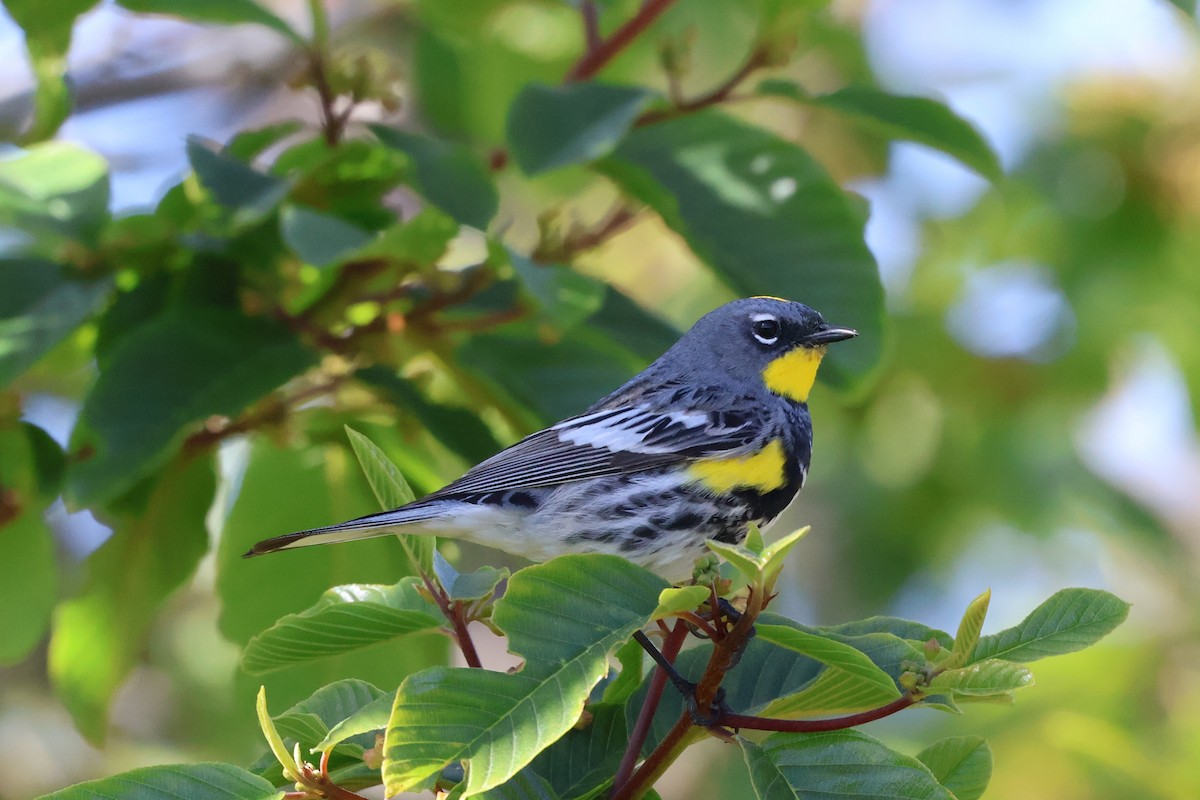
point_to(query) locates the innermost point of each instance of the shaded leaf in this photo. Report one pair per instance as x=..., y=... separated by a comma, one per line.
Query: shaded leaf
x=447, y=175
x=221, y=12
x=28, y=582
x=174, y=782
x=372, y=716
x=554, y=126
x=319, y=239
x=41, y=304
x=233, y=183
x=963, y=764
x=839, y=763
x=587, y=756
x=166, y=375
x=766, y=217
x=1070, y=620
x=563, y=296
x=867, y=682
x=913, y=119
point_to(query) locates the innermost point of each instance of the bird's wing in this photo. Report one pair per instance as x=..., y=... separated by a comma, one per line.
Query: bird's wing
x=611, y=441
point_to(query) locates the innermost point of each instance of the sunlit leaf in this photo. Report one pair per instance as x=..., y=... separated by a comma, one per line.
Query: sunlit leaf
x=989, y=677
x=862, y=685
x=345, y=618
x=55, y=188
x=28, y=582
x=967, y=636
x=174, y=782
x=563, y=617
x=392, y=491
x=158, y=538
x=1070, y=620
x=963, y=764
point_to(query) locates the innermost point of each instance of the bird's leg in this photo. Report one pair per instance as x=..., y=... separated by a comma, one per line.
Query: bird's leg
x=686, y=688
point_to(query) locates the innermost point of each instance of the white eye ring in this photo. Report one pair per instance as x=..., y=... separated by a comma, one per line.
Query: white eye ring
x=765, y=328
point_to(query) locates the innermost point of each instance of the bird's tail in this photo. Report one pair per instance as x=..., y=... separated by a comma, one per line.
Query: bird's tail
x=380, y=524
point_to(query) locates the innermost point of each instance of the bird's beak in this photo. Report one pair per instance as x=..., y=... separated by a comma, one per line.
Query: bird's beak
x=830, y=333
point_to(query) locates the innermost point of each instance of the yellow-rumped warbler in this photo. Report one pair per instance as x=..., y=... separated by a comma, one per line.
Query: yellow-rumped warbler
x=711, y=437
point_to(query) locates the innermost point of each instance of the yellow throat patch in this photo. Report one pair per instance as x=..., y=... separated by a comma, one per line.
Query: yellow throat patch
x=793, y=373
x=763, y=471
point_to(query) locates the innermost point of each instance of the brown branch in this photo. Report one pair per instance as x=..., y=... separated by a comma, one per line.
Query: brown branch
x=641, y=728
x=753, y=723
x=756, y=61
x=332, y=124
x=597, y=57
x=591, y=24
x=578, y=240
x=453, y=611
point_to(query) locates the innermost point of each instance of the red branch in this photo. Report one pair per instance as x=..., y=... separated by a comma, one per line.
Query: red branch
x=748, y=722
x=597, y=57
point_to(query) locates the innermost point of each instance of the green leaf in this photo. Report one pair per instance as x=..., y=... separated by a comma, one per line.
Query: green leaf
x=41, y=304
x=291, y=770
x=234, y=183
x=963, y=764
x=477, y=585
x=912, y=119
x=680, y=598
x=630, y=657
x=744, y=561
x=158, y=538
x=555, y=380
x=456, y=427
x=248, y=144
x=564, y=297
x=766, y=217
x=344, y=619
x=587, y=756
x=1070, y=620
x=862, y=679
x=165, y=376
x=554, y=126
x=28, y=582
x=319, y=239
x=48, y=28
x=220, y=12
x=310, y=720
x=902, y=628
x=564, y=617
x=55, y=188
x=968, y=632
x=525, y=785
x=174, y=782
x=632, y=326
x=372, y=716
x=392, y=491
x=992, y=676
x=447, y=175
x=837, y=764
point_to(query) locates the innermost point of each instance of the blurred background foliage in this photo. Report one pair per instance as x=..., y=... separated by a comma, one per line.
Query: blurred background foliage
x=374, y=223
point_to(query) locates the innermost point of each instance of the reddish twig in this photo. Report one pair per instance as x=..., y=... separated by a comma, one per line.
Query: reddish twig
x=577, y=240
x=756, y=61
x=453, y=611
x=605, y=50
x=641, y=728
x=591, y=24
x=753, y=723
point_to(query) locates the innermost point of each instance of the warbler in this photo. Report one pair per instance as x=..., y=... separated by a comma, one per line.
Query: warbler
x=712, y=436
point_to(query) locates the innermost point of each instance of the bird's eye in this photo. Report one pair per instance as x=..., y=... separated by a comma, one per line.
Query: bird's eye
x=766, y=330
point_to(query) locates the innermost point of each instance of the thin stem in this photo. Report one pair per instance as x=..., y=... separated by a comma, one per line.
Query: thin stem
x=670, y=649
x=577, y=241
x=591, y=24
x=465, y=643
x=756, y=61
x=753, y=723
x=596, y=58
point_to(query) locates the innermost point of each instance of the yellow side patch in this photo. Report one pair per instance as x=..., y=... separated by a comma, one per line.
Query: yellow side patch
x=793, y=373
x=763, y=471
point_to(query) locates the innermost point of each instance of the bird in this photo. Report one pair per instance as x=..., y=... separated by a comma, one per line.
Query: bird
x=713, y=436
